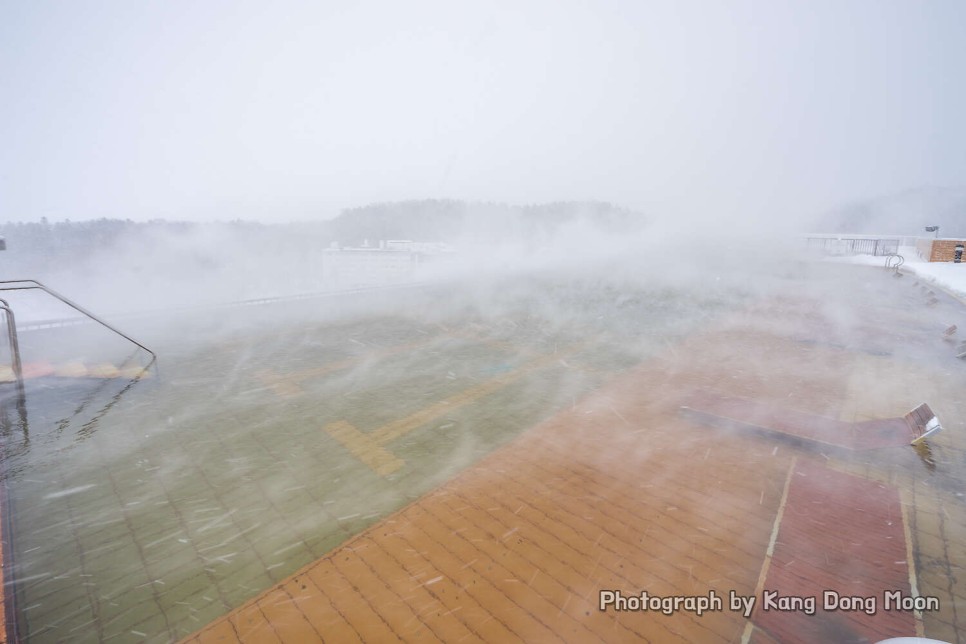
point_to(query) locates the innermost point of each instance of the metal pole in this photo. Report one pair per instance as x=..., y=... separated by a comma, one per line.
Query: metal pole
x=14, y=346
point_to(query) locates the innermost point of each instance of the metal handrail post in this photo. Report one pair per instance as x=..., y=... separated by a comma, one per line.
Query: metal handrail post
x=17, y=365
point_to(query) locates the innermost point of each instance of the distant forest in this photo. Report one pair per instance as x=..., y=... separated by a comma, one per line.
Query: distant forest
x=112, y=264
x=425, y=220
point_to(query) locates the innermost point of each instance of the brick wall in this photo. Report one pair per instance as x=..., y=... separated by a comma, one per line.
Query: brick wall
x=944, y=250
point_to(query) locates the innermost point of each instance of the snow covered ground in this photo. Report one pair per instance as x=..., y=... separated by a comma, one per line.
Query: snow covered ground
x=947, y=275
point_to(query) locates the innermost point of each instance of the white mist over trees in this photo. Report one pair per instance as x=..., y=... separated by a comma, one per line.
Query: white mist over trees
x=122, y=266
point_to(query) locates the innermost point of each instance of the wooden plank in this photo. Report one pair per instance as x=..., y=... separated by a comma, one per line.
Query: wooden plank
x=749, y=415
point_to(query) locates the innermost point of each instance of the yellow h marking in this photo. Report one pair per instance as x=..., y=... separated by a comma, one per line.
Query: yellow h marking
x=364, y=448
x=369, y=447
x=288, y=385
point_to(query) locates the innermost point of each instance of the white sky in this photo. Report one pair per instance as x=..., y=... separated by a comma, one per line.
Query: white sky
x=285, y=111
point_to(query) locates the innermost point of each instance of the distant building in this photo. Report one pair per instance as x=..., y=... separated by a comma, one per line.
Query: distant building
x=392, y=262
x=941, y=250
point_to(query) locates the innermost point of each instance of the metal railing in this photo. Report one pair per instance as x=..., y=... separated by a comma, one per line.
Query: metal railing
x=12, y=621
x=35, y=285
x=899, y=261
x=835, y=244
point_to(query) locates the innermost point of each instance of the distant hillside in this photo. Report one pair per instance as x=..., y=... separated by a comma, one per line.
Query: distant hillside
x=904, y=213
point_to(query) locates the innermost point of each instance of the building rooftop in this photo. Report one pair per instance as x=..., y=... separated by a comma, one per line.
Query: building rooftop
x=485, y=465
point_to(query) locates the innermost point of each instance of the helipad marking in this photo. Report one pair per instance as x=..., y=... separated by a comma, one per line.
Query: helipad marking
x=289, y=385
x=369, y=448
x=104, y=370
x=364, y=448
x=73, y=369
x=76, y=369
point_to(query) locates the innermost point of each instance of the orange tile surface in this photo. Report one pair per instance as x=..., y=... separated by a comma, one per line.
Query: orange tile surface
x=620, y=492
x=518, y=547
